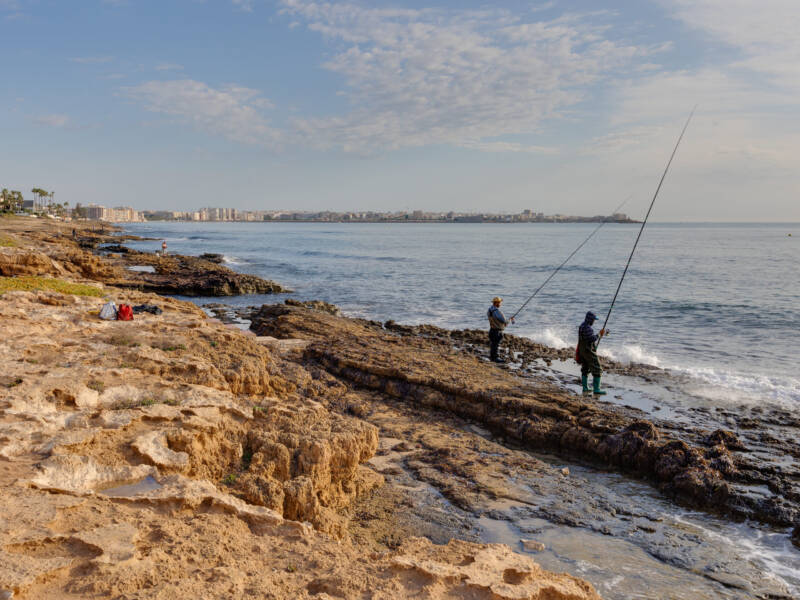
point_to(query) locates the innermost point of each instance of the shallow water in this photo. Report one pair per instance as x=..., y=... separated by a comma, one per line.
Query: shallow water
x=715, y=302
x=134, y=488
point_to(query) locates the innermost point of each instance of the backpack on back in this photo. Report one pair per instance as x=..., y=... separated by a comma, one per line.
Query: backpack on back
x=125, y=313
x=108, y=312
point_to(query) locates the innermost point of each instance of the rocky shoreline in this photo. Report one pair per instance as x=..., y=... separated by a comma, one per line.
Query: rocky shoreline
x=175, y=457
x=325, y=441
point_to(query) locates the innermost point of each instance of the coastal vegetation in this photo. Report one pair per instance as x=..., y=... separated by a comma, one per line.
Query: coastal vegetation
x=10, y=200
x=33, y=284
x=7, y=242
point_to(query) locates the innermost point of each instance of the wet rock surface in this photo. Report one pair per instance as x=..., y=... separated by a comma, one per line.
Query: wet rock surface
x=433, y=373
x=463, y=463
x=188, y=275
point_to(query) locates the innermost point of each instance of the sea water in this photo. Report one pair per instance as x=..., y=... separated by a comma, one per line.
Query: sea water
x=717, y=303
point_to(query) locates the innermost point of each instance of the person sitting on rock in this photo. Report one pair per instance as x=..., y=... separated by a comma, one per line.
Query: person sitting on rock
x=587, y=352
x=497, y=323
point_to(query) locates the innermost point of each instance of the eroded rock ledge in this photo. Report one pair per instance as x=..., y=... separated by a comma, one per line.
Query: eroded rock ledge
x=430, y=372
x=187, y=275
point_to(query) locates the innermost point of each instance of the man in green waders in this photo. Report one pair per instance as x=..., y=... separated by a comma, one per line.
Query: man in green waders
x=587, y=353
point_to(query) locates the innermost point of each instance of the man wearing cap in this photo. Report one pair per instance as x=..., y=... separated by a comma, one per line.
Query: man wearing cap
x=497, y=323
x=587, y=352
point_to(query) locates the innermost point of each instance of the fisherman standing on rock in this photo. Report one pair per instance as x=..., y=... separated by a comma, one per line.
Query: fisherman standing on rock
x=586, y=355
x=497, y=323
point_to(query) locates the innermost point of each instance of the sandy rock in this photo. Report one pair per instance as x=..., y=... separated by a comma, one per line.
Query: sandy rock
x=489, y=569
x=115, y=542
x=153, y=446
x=177, y=490
x=114, y=419
x=73, y=474
x=532, y=545
x=15, y=262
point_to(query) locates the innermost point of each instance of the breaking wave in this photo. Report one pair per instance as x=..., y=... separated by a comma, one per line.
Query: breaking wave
x=715, y=384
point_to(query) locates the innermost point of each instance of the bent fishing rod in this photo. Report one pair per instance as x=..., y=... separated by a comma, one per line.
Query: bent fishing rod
x=574, y=252
x=647, y=216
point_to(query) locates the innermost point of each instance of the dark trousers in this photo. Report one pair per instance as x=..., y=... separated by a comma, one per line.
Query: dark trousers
x=495, y=337
x=589, y=361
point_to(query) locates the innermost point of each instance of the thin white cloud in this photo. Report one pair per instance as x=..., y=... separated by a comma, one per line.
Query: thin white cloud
x=421, y=77
x=747, y=98
x=232, y=112
x=765, y=31
x=92, y=60
x=57, y=121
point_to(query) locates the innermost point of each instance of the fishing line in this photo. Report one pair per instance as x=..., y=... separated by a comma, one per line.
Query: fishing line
x=574, y=252
x=641, y=229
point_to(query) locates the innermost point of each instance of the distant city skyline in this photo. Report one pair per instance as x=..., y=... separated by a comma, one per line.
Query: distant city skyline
x=564, y=106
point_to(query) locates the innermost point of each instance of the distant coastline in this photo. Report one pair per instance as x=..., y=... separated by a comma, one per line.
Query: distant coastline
x=417, y=216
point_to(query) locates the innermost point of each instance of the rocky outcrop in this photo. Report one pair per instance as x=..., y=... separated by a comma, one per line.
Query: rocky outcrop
x=305, y=463
x=188, y=275
x=491, y=570
x=319, y=305
x=15, y=262
x=99, y=256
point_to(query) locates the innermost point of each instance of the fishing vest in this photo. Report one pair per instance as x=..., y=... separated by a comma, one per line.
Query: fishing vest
x=494, y=322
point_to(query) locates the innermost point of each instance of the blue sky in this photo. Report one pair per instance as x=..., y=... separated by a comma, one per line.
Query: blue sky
x=562, y=106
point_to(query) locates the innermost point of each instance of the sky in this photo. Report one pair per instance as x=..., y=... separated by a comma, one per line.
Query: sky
x=555, y=106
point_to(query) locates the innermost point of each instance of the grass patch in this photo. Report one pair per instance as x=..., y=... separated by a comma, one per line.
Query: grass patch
x=173, y=348
x=33, y=284
x=122, y=340
x=247, y=458
x=97, y=386
x=7, y=242
x=130, y=404
x=230, y=479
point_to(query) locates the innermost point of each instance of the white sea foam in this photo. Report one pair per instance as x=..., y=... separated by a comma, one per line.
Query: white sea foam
x=631, y=353
x=233, y=260
x=716, y=384
x=550, y=337
x=747, y=388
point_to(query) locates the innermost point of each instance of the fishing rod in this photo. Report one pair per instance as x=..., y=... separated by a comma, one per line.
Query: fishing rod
x=641, y=229
x=574, y=252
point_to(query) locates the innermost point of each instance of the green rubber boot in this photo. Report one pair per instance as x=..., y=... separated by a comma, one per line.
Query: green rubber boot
x=596, y=385
x=585, y=384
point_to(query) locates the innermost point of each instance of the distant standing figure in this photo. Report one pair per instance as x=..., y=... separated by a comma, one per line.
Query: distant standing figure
x=164, y=247
x=74, y=235
x=587, y=352
x=497, y=323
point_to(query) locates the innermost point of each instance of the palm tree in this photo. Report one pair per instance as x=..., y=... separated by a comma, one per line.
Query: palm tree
x=16, y=200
